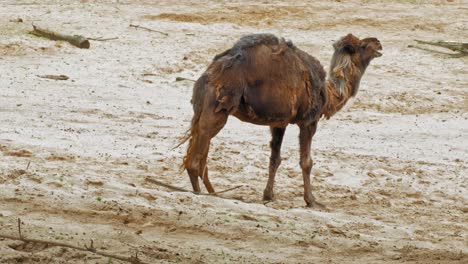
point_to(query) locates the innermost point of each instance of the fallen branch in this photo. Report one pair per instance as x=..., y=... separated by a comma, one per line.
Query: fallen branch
x=452, y=45
x=179, y=189
x=453, y=55
x=55, y=77
x=148, y=29
x=76, y=40
x=461, y=48
x=91, y=248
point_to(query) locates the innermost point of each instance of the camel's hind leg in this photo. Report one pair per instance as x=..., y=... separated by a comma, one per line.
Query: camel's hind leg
x=305, y=139
x=277, y=134
x=209, y=124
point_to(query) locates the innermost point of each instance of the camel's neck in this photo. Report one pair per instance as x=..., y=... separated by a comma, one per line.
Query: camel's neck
x=335, y=100
x=342, y=84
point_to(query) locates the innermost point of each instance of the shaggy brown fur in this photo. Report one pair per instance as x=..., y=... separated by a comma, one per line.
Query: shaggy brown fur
x=265, y=80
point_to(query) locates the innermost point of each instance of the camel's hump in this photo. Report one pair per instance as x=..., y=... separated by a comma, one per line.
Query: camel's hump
x=251, y=41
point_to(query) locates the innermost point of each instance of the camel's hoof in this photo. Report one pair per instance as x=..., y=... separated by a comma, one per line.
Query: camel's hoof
x=268, y=197
x=316, y=205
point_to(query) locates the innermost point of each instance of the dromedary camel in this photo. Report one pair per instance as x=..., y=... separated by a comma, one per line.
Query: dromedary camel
x=268, y=81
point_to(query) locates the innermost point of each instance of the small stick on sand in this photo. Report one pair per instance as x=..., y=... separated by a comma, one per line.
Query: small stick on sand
x=102, y=39
x=18, y=20
x=227, y=190
x=178, y=79
x=55, y=77
x=171, y=187
x=76, y=40
x=149, y=29
x=19, y=228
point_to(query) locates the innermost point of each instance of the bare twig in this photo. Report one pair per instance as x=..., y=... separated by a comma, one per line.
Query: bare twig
x=102, y=39
x=171, y=187
x=135, y=258
x=149, y=74
x=27, y=166
x=91, y=247
x=227, y=190
x=131, y=259
x=148, y=29
x=19, y=228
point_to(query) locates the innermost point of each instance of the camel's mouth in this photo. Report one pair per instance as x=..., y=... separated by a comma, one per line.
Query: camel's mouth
x=377, y=52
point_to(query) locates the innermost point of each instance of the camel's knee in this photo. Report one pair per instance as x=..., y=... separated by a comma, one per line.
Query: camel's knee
x=275, y=162
x=306, y=164
x=192, y=166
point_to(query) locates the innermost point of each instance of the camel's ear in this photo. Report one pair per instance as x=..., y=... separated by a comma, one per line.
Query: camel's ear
x=363, y=44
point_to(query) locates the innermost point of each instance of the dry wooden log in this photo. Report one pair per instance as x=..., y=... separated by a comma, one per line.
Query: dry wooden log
x=76, y=40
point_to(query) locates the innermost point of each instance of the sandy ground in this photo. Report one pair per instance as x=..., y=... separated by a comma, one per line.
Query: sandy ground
x=391, y=168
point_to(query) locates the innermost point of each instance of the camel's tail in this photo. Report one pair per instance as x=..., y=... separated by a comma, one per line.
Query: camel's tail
x=199, y=90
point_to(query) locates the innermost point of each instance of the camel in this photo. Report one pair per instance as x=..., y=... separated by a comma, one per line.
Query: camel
x=265, y=80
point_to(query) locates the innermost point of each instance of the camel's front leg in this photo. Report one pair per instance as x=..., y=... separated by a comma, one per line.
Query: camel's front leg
x=277, y=134
x=305, y=140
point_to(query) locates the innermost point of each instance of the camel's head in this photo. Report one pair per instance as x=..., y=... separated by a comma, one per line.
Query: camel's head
x=360, y=51
x=350, y=60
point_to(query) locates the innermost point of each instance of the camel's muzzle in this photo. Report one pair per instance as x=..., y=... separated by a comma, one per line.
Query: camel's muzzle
x=377, y=52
